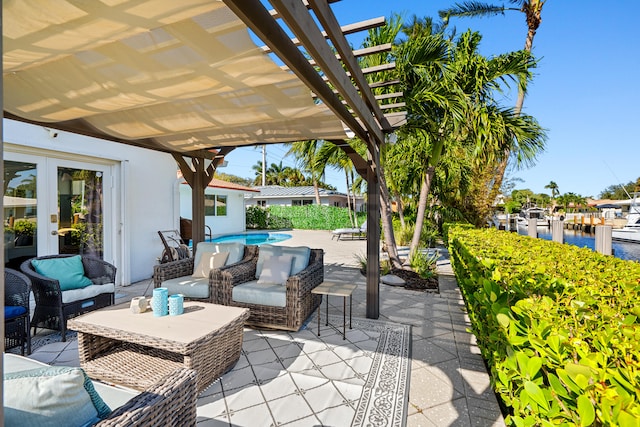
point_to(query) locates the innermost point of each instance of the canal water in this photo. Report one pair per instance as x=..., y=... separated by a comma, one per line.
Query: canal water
x=622, y=250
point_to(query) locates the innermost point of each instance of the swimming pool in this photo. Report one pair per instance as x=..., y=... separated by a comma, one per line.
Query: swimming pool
x=252, y=238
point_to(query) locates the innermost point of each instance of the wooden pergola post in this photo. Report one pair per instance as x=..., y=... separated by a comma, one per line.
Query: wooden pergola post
x=198, y=177
x=200, y=182
x=373, y=231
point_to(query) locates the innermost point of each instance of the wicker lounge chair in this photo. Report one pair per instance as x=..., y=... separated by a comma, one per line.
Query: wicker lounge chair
x=171, y=401
x=300, y=302
x=17, y=288
x=53, y=307
x=183, y=269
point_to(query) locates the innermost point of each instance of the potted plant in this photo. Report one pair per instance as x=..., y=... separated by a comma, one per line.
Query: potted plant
x=24, y=231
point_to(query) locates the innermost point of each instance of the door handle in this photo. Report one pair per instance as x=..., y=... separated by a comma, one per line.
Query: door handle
x=54, y=233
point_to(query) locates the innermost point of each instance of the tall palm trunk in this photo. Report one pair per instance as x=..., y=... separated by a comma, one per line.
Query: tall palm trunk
x=533, y=16
x=425, y=187
x=346, y=178
x=400, y=206
x=387, y=223
x=316, y=190
x=353, y=200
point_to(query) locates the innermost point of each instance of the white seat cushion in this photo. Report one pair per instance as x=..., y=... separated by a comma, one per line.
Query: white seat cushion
x=89, y=292
x=190, y=287
x=273, y=295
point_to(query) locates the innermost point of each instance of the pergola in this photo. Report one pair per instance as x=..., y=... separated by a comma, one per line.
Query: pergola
x=187, y=78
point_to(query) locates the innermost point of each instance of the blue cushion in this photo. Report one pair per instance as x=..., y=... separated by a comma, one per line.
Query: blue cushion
x=50, y=397
x=235, y=249
x=11, y=311
x=300, y=257
x=190, y=287
x=68, y=271
x=274, y=295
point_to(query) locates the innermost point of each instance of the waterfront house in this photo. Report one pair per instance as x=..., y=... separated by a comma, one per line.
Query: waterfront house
x=224, y=205
x=271, y=195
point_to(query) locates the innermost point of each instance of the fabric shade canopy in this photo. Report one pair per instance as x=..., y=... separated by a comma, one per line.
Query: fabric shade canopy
x=181, y=75
x=185, y=77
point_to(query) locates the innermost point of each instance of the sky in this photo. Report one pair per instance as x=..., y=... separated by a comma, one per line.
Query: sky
x=585, y=90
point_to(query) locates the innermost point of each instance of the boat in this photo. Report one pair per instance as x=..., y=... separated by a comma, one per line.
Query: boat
x=631, y=231
x=534, y=212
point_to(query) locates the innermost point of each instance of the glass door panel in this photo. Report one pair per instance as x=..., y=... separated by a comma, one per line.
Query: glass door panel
x=20, y=212
x=80, y=211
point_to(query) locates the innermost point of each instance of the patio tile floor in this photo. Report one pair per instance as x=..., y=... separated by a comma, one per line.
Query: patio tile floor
x=449, y=384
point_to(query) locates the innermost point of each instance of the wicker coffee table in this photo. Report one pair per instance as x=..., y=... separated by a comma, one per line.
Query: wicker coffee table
x=136, y=350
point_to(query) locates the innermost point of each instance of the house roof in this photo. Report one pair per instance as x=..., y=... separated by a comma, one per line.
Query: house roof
x=218, y=183
x=275, y=191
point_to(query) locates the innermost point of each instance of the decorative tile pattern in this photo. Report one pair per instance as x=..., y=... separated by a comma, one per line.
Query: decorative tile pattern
x=300, y=379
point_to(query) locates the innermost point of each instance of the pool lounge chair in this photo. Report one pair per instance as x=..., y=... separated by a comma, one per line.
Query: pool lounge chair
x=353, y=232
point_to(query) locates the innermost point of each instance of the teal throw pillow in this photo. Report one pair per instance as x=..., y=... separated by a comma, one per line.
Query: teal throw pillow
x=66, y=270
x=50, y=397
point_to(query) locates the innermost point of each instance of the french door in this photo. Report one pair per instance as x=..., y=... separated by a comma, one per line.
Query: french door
x=56, y=206
x=77, y=211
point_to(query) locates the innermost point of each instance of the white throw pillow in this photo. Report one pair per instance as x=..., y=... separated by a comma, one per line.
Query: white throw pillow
x=209, y=261
x=275, y=270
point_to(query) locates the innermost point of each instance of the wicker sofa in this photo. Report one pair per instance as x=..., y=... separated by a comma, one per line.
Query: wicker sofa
x=300, y=302
x=169, y=402
x=176, y=276
x=54, y=306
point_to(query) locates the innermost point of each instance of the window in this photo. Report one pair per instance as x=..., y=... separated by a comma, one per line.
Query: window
x=215, y=205
x=209, y=205
x=262, y=203
x=221, y=205
x=299, y=202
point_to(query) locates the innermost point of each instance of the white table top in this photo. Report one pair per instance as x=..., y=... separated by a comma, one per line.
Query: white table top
x=198, y=320
x=333, y=288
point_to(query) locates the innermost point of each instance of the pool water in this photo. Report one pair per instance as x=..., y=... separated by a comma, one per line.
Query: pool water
x=252, y=238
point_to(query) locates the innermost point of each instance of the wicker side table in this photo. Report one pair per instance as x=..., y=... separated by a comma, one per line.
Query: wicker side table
x=135, y=350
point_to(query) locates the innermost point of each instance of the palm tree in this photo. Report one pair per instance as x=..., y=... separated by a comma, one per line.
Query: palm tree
x=331, y=155
x=532, y=10
x=553, y=187
x=450, y=103
x=306, y=153
x=257, y=168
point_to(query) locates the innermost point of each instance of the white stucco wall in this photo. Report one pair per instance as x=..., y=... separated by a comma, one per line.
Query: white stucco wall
x=144, y=196
x=233, y=222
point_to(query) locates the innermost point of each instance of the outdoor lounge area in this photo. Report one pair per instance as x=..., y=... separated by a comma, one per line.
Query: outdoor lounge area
x=446, y=380
x=186, y=83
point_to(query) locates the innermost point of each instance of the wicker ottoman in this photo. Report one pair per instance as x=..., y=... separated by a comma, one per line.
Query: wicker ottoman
x=136, y=350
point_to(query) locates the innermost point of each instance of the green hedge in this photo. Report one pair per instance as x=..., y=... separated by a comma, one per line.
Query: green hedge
x=309, y=217
x=557, y=324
